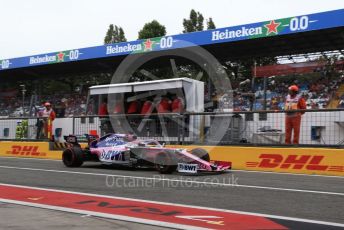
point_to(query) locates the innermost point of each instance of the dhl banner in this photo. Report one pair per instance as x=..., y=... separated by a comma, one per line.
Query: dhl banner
x=28, y=149
x=318, y=161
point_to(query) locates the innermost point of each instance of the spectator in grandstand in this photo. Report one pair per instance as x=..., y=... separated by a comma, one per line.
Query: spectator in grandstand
x=39, y=123
x=274, y=104
x=60, y=109
x=294, y=101
x=314, y=105
x=48, y=115
x=90, y=107
x=226, y=103
x=341, y=104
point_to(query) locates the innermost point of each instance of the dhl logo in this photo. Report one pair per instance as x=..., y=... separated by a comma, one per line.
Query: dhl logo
x=26, y=150
x=308, y=162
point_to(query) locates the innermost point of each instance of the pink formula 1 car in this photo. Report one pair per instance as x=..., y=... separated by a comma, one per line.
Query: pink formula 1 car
x=127, y=150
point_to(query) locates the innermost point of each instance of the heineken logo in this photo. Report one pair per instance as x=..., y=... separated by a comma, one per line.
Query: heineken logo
x=267, y=29
x=58, y=57
x=43, y=59
x=146, y=45
x=243, y=32
x=123, y=48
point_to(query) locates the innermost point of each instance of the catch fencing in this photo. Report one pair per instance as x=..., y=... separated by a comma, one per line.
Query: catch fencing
x=317, y=128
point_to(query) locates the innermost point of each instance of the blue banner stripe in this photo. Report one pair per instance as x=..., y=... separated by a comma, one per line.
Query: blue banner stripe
x=318, y=21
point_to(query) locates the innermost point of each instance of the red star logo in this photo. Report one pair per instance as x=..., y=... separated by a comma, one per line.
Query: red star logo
x=60, y=56
x=272, y=27
x=148, y=44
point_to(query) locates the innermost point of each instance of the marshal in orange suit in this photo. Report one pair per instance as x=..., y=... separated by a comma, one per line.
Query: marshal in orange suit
x=49, y=116
x=293, y=101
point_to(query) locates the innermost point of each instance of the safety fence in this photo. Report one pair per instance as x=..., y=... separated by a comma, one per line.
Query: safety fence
x=316, y=127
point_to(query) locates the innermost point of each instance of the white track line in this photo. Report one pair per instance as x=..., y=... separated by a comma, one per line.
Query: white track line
x=177, y=180
x=187, y=206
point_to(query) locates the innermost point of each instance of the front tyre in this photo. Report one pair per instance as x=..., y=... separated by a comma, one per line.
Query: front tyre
x=73, y=157
x=164, y=164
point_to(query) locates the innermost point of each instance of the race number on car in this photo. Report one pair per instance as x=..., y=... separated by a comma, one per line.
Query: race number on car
x=111, y=155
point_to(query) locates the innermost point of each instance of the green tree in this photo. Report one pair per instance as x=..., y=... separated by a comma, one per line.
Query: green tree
x=210, y=24
x=194, y=23
x=119, y=35
x=108, y=36
x=152, y=29
x=114, y=35
x=200, y=20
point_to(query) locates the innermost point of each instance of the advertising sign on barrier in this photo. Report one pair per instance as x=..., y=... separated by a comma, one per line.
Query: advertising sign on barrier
x=28, y=149
x=319, y=161
x=297, y=162
x=25, y=150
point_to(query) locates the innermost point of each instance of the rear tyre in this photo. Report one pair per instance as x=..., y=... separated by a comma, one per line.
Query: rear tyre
x=164, y=163
x=73, y=157
x=201, y=153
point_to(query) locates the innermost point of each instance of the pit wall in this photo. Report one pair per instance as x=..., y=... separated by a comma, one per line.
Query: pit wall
x=318, y=161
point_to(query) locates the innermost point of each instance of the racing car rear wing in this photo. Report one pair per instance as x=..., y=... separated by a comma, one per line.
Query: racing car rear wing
x=73, y=140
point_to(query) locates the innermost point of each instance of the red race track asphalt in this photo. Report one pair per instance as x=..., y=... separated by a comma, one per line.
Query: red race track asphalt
x=160, y=214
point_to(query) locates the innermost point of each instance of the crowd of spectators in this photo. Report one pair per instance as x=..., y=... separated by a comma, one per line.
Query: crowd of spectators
x=69, y=105
x=66, y=105
x=318, y=93
x=10, y=106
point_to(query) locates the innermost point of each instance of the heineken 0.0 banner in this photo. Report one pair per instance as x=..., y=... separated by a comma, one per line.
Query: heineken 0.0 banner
x=298, y=24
